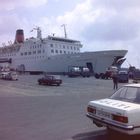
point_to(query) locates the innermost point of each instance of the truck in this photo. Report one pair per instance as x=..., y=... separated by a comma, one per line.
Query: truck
x=123, y=76
x=136, y=76
x=108, y=74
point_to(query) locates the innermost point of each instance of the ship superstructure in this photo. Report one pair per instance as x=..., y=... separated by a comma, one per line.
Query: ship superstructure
x=55, y=54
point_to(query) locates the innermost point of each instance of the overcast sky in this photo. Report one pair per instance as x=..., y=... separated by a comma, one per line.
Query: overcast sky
x=98, y=24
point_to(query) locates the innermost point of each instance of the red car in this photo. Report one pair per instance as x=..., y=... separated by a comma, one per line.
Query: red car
x=50, y=80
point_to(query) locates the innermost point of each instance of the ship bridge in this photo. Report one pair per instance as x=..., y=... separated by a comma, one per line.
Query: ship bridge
x=64, y=39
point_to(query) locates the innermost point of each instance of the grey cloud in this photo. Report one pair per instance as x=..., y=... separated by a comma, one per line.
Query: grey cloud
x=114, y=29
x=117, y=4
x=13, y=4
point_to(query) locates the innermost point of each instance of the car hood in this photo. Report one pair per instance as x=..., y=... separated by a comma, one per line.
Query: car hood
x=115, y=104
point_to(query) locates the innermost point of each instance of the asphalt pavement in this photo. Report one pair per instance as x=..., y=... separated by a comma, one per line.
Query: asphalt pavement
x=29, y=111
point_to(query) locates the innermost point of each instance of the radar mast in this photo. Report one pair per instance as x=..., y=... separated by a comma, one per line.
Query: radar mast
x=64, y=25
x=39, y=34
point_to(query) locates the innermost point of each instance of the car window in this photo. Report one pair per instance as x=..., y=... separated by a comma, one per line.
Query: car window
x=119, y=94
x=131, y=93
x=137, y=100
x=127, y=94
x=56, y=77
x=49, y=77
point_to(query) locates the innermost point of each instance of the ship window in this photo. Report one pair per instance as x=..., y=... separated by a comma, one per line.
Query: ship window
x=29, y=53
x=21, y=53
x=25, y=53
x=56, y=51
x=64, y=52
x=34, y=52
x=64, y=46
x=43, y=51
x=52, y=51
x=60, y=51
x=39, y=51
x=71, y=47
x=51, y=45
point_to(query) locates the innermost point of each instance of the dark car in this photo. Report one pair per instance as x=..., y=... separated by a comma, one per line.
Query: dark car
x=50, y=80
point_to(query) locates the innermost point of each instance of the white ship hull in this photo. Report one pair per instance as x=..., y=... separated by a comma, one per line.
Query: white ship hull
x=99, y=61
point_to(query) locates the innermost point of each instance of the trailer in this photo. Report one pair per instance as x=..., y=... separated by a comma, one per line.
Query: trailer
x=75, y=71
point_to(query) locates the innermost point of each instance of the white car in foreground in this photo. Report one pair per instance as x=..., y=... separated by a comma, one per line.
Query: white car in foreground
x=120, y=112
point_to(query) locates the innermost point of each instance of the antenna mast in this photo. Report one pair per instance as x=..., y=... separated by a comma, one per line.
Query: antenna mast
x=64, y=25
x=39, y=34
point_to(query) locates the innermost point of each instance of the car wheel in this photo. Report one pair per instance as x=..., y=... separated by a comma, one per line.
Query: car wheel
x=39, y=83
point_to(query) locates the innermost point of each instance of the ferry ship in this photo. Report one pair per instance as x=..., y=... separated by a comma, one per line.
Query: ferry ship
x=55, y=55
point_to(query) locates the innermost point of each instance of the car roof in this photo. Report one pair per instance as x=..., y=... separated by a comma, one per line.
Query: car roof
x=133, y=85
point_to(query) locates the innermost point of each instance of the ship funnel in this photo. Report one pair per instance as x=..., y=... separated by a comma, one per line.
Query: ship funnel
x=19, y=36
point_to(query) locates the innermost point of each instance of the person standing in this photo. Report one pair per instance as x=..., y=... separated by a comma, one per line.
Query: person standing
x=115, y=80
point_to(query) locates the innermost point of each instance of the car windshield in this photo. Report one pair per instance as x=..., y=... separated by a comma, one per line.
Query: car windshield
x=49, y=77
x=130, y=94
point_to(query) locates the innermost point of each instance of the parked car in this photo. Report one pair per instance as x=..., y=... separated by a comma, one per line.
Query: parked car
x=9, y=75
x=120, y=112
x=2, y=75
x=50, y=80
